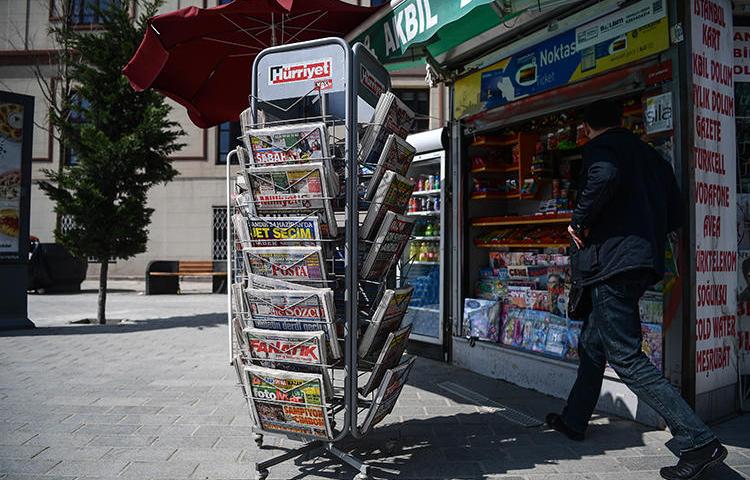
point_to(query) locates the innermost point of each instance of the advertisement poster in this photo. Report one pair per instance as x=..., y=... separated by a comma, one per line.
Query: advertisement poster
x=715, y=199
x=11, y=141
x=622, y=37
x=658, y=114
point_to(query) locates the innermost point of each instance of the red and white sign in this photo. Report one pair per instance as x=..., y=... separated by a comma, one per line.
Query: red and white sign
x=369, y=80
x=741, y=54
x=316, y=70
x=713, y=156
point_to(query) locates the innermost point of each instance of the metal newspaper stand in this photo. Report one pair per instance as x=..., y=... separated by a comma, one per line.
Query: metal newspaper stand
x=339, y=82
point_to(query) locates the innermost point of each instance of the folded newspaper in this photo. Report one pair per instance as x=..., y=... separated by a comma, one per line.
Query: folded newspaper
x=278, y=231
x=389, y=357
x=390, y=241
x=287, y=144
x=290, y=189
x=292, y=351
x=396, y=156
x=289, y=402
x=391, y=116
x=297, y=264
x=386, y=319
x=387, y=395
x=294, y=311
x=392, y=195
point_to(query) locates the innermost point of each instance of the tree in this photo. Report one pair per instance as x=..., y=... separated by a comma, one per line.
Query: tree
x=121, y=140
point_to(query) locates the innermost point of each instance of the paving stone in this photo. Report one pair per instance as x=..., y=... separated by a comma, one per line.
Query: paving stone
x=27, y=466
x=86, y=468
x=73, y=453
x=161, y=470
x=20, y=452
x=122, y=440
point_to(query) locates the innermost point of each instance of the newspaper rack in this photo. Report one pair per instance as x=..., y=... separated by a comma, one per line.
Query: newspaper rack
x=281, y=308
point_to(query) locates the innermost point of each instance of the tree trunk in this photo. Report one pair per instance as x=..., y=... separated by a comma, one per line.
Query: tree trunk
x=100, y=315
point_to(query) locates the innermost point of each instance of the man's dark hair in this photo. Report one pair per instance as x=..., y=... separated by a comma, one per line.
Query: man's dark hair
x=603, y=114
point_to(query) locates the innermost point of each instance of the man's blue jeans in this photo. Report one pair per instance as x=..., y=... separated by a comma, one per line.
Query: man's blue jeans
x=613, y=333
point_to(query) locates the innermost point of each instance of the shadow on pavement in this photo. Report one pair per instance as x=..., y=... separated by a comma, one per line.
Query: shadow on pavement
x=200, y=321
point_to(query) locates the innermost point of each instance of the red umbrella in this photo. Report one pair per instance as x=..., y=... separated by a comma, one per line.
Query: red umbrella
x=202, y=58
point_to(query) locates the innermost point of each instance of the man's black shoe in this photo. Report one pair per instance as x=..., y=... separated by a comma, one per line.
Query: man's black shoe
x=556, y=422
x=693, y=463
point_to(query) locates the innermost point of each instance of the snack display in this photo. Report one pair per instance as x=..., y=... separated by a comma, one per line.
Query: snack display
x=555, y=235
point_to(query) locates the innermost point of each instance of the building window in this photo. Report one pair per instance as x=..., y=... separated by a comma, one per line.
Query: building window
x=229, y=139
x=76, y=116
x=82, y=12
x=418, y=99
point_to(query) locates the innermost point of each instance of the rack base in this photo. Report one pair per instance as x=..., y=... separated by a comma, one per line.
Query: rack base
x=314, y=449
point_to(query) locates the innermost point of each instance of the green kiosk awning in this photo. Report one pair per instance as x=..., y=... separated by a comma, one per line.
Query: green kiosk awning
x=403, y=33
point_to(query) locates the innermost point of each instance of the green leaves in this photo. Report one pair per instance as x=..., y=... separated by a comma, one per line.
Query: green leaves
x=121, y=138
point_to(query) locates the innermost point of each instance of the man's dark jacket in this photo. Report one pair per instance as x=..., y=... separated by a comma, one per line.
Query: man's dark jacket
x=629, y=201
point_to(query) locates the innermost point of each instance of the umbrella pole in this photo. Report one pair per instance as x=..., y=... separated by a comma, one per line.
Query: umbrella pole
x=273, y=30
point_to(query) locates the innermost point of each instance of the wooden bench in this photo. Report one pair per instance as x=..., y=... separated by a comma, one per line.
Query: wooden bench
x=163, y=276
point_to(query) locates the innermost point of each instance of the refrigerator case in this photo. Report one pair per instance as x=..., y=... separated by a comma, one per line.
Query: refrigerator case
x=422, y=260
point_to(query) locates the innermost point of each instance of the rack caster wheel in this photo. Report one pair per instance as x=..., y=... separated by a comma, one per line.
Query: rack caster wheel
x=261, y=474
x=258, y=439
x=361, y=476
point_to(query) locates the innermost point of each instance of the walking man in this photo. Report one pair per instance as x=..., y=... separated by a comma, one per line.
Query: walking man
x=628, y=203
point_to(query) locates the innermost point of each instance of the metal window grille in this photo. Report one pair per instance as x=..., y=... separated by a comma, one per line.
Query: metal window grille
x=220, y=233
x=66, y=223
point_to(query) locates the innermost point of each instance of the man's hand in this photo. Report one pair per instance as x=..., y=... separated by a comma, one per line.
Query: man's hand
x=577, y=239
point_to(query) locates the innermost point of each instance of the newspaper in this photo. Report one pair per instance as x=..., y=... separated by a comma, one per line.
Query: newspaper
x=391, y=116
x=289, y=144
x=289, y=402
x=396, y=156
x=283, y=231
x=240, y=227
x=390, y=241
x=294, y=311
x=389, y=357
x=392, y=195
x=387, y=395
x=267, y=283
x=293, y=351
x=386, y=319
x=296, y=264
x=290, y=189
x=302, y=142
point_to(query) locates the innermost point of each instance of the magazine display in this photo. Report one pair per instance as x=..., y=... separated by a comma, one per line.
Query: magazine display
x=396, y=156
x=392, y=195
x=390, y=242
x=386, y=319
x=291, y=189
x=297, y=264
x=387, y=394
x=391, y=116
x=294, y=311
x=283, y=231
x=289, y=402
x=389, y=357
x=265, y=283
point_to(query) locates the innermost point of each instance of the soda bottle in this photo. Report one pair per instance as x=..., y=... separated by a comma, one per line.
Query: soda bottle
x=436, y=183
x=420, y=184
x=428, y=231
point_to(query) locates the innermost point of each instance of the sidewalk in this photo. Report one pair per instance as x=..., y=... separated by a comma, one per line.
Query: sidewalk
x=156, y=398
